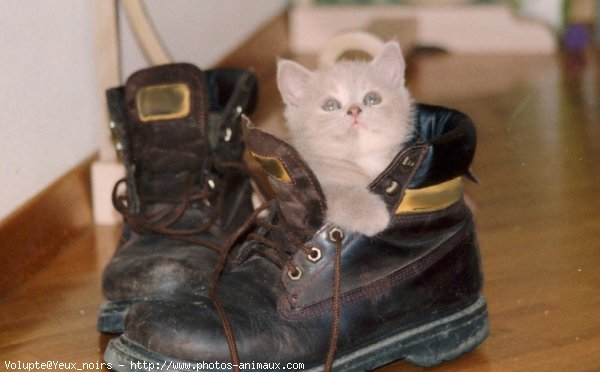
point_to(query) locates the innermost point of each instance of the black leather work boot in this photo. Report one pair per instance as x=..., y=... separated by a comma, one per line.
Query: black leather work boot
x=301, y=294
x=179, y=136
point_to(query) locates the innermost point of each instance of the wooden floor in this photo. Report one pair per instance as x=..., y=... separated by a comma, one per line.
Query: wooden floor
x=537, y=210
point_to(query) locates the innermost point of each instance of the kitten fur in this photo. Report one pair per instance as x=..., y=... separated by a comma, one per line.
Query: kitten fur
x=350, y=144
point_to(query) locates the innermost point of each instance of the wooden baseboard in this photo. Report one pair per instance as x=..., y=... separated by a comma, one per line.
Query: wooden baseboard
x=36, y=231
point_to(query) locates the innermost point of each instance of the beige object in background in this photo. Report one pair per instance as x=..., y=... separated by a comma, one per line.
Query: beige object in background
x=460, y=29
x=107, y=169
x=350, y=41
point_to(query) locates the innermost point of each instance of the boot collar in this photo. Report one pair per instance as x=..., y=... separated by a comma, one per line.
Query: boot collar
x=168, y=93
x=451, y=139
x=423, y=177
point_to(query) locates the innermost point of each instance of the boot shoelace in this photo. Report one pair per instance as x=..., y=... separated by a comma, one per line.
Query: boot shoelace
x=162, y=221
x=282, y=258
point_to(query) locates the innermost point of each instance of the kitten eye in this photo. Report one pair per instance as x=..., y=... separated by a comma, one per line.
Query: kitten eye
x=372, y=98
x=331, y=104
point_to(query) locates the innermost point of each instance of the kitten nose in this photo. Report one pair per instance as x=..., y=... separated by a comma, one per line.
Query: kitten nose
x=354, y=110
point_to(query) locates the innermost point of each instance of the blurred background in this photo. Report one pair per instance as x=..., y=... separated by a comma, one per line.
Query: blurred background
x=52, y=64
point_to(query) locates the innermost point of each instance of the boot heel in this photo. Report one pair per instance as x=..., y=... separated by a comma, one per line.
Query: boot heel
x=451, y=336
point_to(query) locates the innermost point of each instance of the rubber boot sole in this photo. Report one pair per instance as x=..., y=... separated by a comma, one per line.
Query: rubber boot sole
x=426, y=345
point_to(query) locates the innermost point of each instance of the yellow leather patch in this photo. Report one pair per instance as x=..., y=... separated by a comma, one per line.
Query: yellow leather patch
x=432, y=198
x=273, y=167
x=161, y=102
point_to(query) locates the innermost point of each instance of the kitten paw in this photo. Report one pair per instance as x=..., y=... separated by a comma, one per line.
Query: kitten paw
x=362, y=212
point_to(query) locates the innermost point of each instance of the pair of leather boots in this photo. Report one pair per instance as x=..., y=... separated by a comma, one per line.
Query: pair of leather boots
x=202, y=281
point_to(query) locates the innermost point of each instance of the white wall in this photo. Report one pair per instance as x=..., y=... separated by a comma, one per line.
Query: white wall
x=47, y=94
x=50, y=107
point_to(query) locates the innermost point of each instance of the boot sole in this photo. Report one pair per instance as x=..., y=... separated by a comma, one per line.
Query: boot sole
x=426, y=345
x=111, y=317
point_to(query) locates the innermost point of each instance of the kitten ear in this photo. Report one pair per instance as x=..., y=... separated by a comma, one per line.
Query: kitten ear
x=291, y=81
x=389, y=63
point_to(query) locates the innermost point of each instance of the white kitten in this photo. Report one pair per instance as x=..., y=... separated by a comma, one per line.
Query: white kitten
x=348, y=122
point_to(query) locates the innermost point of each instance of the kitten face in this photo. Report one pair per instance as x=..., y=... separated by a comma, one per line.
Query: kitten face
x=348, y=122
x=349, y=110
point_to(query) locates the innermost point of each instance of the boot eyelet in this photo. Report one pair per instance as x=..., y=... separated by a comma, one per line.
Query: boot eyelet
x=211, y=183
x=228, y=134
x=392, y=188
x=314, y=255
x=295, y=274
x=239, y=110
x=336, y=234
x=409, y=162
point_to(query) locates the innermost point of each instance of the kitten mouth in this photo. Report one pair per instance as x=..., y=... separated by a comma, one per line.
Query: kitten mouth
x=356, y=127
x=357, y=124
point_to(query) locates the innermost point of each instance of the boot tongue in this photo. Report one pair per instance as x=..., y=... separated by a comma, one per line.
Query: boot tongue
x=167, y=107
x=297, y=189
